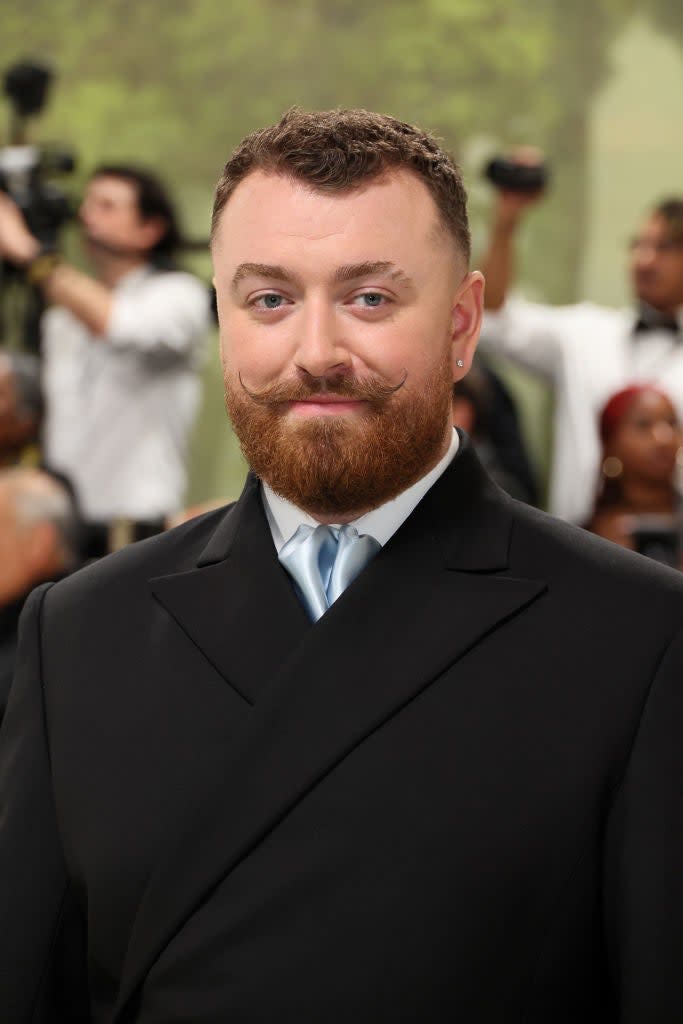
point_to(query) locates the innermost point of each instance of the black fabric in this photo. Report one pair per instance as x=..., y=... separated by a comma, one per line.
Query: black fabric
x=506, y=437
x=9, y=623
x=96, y=537
x=651, y=319
x=455, y=797
x=668, y=324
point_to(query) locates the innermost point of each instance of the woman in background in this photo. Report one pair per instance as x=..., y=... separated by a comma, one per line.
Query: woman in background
x=638, y=504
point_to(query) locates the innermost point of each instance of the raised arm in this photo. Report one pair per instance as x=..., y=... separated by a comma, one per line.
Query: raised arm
x=498, y=262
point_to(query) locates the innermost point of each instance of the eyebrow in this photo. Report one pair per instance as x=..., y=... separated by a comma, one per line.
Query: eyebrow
x=348, y=272
x=352, y=271
x=260, y=270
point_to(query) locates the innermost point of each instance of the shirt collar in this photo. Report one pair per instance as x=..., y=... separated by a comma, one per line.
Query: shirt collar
x=284, y=518
x=649, y=319
x=132, y=278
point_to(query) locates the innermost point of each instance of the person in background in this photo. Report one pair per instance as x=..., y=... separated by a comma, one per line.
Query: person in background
x=38, y=542
x=585, y=350
x=121, y=349
x=483, y=407
x=638, y=504
x=21, y=409
x=473, y=402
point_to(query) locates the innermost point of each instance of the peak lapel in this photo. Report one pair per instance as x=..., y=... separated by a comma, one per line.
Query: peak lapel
x=427, y=598
x=238, y=595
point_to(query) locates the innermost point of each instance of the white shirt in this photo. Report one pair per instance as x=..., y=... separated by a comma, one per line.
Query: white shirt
x=381, y=523
x=588, y=353
x=120, y=407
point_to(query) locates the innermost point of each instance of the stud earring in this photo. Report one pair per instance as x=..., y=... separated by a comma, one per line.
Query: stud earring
x=459, y=362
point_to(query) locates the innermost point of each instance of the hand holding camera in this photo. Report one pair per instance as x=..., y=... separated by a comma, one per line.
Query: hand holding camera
x=520, y=179
x=17, y=244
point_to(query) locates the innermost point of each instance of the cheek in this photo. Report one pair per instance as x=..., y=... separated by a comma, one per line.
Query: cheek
x=249, y=349
x=418, y=345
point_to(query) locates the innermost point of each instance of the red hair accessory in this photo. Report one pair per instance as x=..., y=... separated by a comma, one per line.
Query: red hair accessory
x=619, y=404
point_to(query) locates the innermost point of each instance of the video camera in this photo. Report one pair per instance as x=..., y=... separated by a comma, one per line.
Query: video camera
x=25, y=171
x=510, y=175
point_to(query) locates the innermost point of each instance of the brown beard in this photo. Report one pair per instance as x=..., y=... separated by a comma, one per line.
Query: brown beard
x=331, y=466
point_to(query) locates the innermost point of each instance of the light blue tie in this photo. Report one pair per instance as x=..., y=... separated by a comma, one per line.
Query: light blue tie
x=324, y=560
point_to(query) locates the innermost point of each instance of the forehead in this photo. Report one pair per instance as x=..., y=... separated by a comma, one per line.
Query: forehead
x=650, y=403
x=656, y=226
x=269, y=216
x=113, y=190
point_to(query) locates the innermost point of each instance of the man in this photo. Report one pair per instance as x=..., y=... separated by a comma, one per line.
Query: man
x=38, y=541
x=377, y=743
x=586, y=351
x=21, y=409
x=121, y=352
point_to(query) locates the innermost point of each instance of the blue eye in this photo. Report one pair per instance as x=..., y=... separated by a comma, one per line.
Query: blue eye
x=372, y=299
x=272, y=301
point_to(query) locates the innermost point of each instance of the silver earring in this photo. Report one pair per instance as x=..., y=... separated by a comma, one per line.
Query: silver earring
x=459, y=362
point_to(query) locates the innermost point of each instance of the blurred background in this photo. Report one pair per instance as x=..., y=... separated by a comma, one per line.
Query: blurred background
x=597, y=85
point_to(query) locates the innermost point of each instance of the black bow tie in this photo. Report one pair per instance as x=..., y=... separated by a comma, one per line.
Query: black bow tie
x=664, y=323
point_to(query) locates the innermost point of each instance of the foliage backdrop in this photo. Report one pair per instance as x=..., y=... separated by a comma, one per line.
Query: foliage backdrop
x=175, y=84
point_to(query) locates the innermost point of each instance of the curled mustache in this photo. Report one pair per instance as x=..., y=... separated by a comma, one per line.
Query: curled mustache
x=363, y=389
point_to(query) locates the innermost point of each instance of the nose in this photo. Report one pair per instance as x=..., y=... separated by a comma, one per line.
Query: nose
x=645, y=254
x=321, y=350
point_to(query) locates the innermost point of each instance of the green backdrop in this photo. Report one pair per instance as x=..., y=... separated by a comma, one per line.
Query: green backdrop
x=175, y=84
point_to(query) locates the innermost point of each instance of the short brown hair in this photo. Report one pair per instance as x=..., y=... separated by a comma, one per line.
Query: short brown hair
x=338, y=150
x=671, y=210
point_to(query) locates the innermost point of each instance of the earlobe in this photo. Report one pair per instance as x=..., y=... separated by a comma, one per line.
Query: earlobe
x=466, y=322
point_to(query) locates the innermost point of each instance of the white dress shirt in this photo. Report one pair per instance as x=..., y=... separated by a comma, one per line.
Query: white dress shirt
x=381, y=523
x=120, y=408
x=588, y=353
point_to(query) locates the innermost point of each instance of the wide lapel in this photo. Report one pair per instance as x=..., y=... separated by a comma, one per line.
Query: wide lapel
x=238, y=595
x=438, y=587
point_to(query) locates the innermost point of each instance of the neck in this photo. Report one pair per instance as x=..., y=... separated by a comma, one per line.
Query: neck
x=646, y=498
x=667, y=310
x=110, y=269
x=11, y=457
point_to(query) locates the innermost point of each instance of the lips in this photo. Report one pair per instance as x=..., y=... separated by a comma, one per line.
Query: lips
x=325, y=405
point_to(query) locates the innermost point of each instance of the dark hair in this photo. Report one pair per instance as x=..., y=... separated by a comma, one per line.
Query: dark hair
x=475, y=389
x=338, y=150
x=153, y=201
x=671, y=210
x=25, y=370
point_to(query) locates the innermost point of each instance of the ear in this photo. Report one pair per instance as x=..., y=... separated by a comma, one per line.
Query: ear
x=466, y=319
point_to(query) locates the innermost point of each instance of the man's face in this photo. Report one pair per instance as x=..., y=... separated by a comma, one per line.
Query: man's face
x=111, y=218
x=342, y=319
x=657, y=265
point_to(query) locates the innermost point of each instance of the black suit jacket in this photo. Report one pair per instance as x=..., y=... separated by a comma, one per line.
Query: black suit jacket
x=455, y=797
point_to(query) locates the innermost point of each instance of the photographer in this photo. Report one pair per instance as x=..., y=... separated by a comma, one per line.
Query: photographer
x=587, y=351
x=121, y=351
